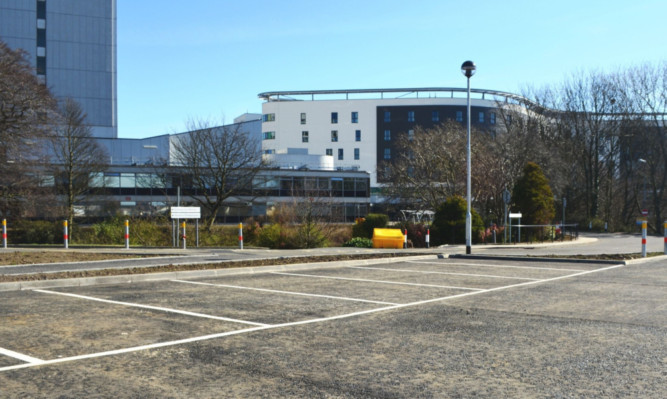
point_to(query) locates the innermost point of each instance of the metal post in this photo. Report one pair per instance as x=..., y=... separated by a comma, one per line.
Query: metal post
x=240, y=235
x=173, y=233
x=184, y=239
x=65, y=235
x=428, y=239
x=127, y=234
x=197, y=231
x=468, y=213
x=519, y=225
x=510, y=230
x=4, y=233
x=564, y=205
x=505, y=224
x=665, y=229
x=644, y=239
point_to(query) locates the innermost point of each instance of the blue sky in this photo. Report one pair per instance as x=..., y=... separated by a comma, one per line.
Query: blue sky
x=210, y=58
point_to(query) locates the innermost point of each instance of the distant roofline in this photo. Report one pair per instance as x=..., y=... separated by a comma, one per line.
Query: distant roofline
x=271, y=96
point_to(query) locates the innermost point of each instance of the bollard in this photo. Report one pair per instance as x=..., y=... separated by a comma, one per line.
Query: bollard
x=240, y=235
x=183, y=226
x=428, y=238
x=65, y=235
x=644, y=239
x=665, y=229
x=127, y=234
x=405, y=239
x=4, y=233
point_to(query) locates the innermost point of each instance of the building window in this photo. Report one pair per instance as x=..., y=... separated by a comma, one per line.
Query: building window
x=411, y=116
x=334, y=136
x=340, y=154
x=41, y=66
x=269, y=135
x=355, y=117
x=329, y=151
x=357, y=135
x=459, y=116
x=41, y=37
x=334, y=117
x=411, y=134
x=492, y=118
x=387, y=153
x=356, y=154
x=303, y=118
x=481, y=117
x=268, y=117
x=435, y=116
x=387, y=135
x=268, y=152
x=41, y=9
x=387, y=116
x=304, y=136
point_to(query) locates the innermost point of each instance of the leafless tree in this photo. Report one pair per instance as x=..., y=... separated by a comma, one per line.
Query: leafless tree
x=26, y=108
x=221, y=162
x=77, y=157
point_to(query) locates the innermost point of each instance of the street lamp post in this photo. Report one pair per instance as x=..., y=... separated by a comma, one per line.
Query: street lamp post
x=468, y=69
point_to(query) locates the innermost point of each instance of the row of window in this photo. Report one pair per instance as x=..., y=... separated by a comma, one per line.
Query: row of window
x=354, y=117
x=435, y=116
x=305, y=136
x=341, y=153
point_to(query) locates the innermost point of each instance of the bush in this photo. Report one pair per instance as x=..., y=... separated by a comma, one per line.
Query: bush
x=416, y=233
x=450, y=222
x=359, y=242
x=37, y=232
x=372, y=221
x=275, y=237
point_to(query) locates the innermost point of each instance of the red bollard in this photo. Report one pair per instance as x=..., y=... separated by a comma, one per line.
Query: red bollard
x=240, y=235
x=127, y=234
x=644, y=239
x=4, y=233
x=65, y=235
x=428, y=238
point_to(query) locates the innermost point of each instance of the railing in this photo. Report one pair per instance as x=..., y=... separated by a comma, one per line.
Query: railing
x=543, y=232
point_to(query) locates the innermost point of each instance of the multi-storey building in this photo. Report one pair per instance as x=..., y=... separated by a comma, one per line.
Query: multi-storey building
x=72, y=45
x=358, y=128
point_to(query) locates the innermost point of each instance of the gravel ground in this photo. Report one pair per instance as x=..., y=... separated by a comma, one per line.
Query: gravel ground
x=598, y=335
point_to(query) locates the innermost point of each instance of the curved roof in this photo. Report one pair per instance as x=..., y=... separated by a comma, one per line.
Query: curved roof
x=289, y=95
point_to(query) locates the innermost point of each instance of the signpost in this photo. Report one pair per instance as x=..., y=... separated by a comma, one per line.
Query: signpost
x=186, y=212
x=507, y=198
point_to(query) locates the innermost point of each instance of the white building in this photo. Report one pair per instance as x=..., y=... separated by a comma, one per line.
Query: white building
x=356, y=127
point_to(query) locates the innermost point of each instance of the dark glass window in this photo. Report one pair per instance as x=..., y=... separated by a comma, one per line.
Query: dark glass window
x=41, y=37
x=355, y=117
x=435, y=116
x=41, y=9
x=41, y=65
x=340, y=154
x=357, y=135
x=411, y=116
x=334, y=117
x=387, y=116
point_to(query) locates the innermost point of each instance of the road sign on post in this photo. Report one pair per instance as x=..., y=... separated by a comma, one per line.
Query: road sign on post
x=185, y=212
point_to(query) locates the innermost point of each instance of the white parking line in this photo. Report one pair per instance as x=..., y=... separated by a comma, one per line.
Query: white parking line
x=446, y=273
x=161, y=309
x=296, y=323
x=20, y=356
x=378, y=281
x=497, y=266
x=342, y=298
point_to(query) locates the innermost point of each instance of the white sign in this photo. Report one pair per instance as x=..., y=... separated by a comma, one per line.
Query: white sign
x=185, y=212
x=515, y=216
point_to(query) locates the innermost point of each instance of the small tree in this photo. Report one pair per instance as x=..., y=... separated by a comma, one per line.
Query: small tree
x=449, y=223
x=532, y=196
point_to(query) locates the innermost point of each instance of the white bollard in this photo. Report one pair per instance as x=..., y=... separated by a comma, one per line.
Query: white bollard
x=65, y=235
x=4, y=233
x=665, y=229
x=240, y=235
x=428, y=238
x=127, y=234
x=644, y=239
x=405, y=239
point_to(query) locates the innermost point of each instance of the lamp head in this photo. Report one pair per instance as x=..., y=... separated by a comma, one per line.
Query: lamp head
x=468, y=69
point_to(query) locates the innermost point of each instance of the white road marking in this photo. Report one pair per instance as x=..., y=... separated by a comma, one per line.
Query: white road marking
x=20, y=356
x=378, y=281
x=161, y=309
x=446, y=273
x=284, y=325
x=499, y=266
x=286, y=292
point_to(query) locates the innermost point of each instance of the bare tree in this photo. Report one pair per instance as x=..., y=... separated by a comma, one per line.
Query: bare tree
x=429, y=166
x=221, y=161
x=77, y=157
x=26, y=107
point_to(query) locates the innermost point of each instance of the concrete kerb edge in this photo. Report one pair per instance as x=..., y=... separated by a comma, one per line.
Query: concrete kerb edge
x=646, y=260
x=539, y=259
x=136, y=278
